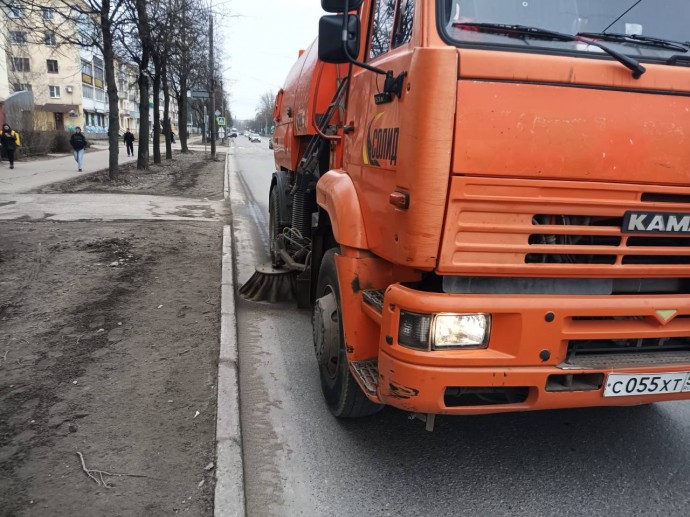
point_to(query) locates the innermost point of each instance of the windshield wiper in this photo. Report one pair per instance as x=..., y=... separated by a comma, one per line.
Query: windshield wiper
x=637, y=38
x=536, y=32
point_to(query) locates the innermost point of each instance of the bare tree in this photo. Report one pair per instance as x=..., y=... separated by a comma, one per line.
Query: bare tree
x=188, y=66
x=264, y=111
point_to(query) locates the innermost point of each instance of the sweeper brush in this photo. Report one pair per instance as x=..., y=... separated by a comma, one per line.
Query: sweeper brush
x=270, y=284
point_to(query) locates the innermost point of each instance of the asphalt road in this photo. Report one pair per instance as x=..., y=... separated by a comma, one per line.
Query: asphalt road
x=299, y=460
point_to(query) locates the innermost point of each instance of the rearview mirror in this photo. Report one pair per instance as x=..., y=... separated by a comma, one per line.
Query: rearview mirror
x=331, y=38
x=338, y=6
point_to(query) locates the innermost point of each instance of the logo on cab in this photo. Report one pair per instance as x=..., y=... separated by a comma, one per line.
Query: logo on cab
x=381, y=144
x=656, y=222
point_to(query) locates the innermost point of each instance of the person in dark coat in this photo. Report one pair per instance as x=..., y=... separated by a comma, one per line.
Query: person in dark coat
x=78, y=143
x=129, y=142
x=9, y=139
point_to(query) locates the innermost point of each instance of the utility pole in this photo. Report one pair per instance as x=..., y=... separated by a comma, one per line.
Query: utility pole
x=212, y=88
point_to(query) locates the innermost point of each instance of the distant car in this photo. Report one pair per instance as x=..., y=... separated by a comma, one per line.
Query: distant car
x=233, y=134
x=255, y=138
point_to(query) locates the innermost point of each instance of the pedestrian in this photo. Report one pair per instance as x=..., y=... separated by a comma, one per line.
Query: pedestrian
x=129, y=142
x=78, y=143
x=9, y=139
x=172, y=137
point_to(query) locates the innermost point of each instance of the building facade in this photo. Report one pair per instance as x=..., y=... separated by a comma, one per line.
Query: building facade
x=128, y=93
x=94, y=96
x=67, y=79
x=37, y=62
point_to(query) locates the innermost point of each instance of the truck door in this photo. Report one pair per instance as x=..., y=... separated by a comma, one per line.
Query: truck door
x=371, y=150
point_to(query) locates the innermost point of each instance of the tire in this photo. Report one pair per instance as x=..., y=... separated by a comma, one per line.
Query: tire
x=274, y=227
x=343, y=395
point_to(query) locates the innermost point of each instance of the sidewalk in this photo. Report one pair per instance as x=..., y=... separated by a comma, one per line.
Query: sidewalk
x=28, y=175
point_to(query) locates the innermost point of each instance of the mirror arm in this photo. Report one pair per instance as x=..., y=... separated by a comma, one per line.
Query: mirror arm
x=391, y=86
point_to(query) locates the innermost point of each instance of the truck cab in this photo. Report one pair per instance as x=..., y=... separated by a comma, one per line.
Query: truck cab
x=502, y=193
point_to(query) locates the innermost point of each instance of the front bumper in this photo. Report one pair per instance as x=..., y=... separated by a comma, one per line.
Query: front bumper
x=524, y=327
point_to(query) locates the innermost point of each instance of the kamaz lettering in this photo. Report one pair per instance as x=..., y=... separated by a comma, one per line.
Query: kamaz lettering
x=655, y=222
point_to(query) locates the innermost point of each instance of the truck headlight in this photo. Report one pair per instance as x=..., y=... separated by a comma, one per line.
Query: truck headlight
x=461, y=331
x=444, y=331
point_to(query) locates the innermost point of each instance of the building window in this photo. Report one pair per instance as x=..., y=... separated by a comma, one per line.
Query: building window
x=54, y=92
x=98, y=72
x=86, y=72
x=87, y=91
x=21, y=87
x=52, y=65
x=16, y=10
x=49, y=39
x=20, y=64
x=47, y=13
x=100, y=95
x=18, y=37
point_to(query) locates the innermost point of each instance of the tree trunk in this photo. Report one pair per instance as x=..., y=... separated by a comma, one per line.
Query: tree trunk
x=114, y=109
x=166, y=113
x=143, y=82
x=156, y=111
x=182, y=113
x=143, y=149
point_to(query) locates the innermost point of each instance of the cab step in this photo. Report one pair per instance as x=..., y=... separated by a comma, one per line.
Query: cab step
x=374, y=298
x=367, y=373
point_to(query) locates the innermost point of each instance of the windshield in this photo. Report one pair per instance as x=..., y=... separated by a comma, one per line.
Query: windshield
x=627, y=24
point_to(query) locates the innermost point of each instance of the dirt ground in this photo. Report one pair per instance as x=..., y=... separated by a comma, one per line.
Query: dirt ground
x=192, y=175
x=108, y=347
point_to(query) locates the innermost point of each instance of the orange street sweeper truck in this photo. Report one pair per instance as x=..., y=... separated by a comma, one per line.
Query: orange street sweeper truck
x=487, y=203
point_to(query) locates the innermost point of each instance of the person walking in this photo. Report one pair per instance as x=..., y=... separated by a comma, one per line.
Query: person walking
x=9, y=139
x=78, y=143
x=129, y=142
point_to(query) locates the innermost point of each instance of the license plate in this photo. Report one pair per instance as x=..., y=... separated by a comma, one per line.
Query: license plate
x=625, y=385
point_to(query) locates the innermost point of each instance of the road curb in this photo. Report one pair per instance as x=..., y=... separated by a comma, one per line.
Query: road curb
x=226, y=176
x=229, y=496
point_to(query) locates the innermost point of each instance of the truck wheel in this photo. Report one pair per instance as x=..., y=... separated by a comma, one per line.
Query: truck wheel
x=274, y=227
x=343, y=395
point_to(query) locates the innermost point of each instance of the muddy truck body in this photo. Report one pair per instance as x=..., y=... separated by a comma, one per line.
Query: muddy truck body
x=487, y=203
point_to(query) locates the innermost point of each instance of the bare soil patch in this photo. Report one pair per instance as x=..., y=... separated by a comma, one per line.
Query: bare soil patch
x=191, y=175
x=108, y=347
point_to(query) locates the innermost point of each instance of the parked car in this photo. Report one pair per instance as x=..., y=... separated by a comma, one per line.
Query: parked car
x=255, y=138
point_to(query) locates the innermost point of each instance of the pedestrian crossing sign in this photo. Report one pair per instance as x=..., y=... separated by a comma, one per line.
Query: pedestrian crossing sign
x=221, y=121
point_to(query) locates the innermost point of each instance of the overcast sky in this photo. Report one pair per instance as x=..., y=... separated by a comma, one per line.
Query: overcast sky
x=262, y=39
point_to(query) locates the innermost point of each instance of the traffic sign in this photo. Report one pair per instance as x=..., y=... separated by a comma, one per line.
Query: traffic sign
x=198, y=94
x=217, y=113
x=220, y=121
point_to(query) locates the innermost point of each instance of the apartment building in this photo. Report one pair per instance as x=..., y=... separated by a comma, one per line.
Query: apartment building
x=67, y=80
x=38, y=63
x=94, y=106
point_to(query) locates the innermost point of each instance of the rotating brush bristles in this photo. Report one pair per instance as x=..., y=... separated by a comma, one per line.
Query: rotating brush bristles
x=270, y=284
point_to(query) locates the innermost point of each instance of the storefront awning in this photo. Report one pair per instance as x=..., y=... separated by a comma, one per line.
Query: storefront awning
x=59, y=108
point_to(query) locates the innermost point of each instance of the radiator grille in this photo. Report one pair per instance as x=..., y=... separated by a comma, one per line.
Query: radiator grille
x=557, y=228
x=572, y=241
